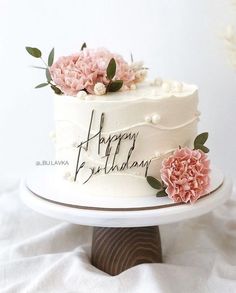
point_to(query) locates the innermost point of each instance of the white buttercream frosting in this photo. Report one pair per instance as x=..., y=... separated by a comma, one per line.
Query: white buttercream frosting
x=161, y=120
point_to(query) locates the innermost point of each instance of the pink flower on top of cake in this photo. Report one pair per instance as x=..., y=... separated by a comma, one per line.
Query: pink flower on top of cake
x=83, y=70
x=186, y=175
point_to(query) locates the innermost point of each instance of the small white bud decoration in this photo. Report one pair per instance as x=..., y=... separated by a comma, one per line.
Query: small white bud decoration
x=81, y=94
x=136, y=65
x=166, y=87
x=99, y=89
x=140, y=75
x=157, y=82
x=148, y=119
x=155, y=118
x=133, y=86
x=177, y=87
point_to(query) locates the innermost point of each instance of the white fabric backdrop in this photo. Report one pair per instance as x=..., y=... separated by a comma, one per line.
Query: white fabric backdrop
x=39, y=254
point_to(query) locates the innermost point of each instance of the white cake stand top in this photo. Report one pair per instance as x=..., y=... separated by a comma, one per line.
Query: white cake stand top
x=145, y=213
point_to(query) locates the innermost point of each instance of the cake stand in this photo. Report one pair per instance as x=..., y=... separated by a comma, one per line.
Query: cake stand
x=126, y=232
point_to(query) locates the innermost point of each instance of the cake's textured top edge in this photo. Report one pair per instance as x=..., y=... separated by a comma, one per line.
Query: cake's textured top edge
x=144, y=92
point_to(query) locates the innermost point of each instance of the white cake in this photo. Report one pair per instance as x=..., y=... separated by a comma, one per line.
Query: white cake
x=112, y=142
x=120, y=137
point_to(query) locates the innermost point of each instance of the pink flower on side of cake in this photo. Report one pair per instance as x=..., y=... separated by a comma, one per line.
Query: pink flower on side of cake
x=186, y=175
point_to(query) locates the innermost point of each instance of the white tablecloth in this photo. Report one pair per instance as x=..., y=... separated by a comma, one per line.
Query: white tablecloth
x=39, y=254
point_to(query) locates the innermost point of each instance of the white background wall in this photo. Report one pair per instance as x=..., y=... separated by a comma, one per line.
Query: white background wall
x=178, y=39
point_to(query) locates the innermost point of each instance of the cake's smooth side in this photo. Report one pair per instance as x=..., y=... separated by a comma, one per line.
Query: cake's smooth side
x=124, y=112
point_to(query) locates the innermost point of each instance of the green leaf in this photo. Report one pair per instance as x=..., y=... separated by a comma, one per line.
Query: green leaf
x=201, y=138
x=202, y=148
x=51, y=57
x=111, y=69
x=83, y=46
x=114, y=86
x=35, y=52
x=156, y=184
x=48, y=75
x=56, y=90
x=161, y=193
x=41, y=85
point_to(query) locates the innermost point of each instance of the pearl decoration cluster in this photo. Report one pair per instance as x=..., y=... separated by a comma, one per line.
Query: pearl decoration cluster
x=174, y=86
x=154, y=119
x=168, y=86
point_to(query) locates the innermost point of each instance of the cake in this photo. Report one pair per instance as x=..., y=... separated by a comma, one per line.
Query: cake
x=121, y=135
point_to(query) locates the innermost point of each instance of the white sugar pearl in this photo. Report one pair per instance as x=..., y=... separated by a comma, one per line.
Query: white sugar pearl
x=67, y=175
x=71, y=178
x=155, y=118
x=148, y=119
x=158, y=81
x=166, y=87
x=133, y=86
x=74, y=144
x=81, y=94
x=99, y=89
x=178, y=86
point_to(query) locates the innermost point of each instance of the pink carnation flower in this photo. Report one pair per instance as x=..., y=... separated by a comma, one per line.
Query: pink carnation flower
x=186, y=175
x=83, y=70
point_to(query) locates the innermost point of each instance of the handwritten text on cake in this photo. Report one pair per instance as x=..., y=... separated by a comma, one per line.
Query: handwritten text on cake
x=112, y=145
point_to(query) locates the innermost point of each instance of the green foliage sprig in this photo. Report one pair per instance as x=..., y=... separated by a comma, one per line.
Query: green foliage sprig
x=158, y=185
x=113, y=85
x=36, y=53
x=199, y=142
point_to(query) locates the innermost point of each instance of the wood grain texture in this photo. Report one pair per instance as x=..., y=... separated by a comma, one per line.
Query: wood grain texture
x=115, y=250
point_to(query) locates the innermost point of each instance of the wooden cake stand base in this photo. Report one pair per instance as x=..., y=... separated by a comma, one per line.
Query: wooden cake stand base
x=115, y=250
